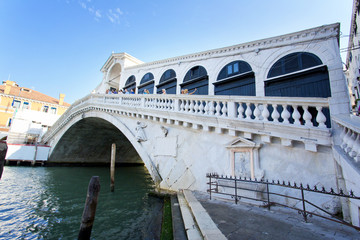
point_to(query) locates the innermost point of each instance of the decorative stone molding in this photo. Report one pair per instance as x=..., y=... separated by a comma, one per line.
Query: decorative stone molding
x=244, y=159
x=255, y=46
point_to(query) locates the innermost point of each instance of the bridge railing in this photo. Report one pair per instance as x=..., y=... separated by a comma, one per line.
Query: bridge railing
x=302, y=113
x=350, y=135
x=310, y=112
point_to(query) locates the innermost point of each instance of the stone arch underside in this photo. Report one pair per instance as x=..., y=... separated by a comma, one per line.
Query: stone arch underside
x=89, y=141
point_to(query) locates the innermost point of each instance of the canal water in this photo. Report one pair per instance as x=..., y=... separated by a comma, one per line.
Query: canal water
x=47, y=203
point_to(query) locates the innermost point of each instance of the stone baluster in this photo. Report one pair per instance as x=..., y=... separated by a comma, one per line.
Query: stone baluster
x=240, y=111
x=207, y=109
x=191, y=106
x=265, y=113
x=342, y=136
x=186, y=107
x=257, y=112
x=217, y=108
x=355, y=152
x=307, y=116
x=248, y=111
x=351, y=142
x=169, y=104
x=346, y=141
x=196, y=106
x=181, y=105
x=296, y=115
x=166, y=104
x=320, y=117
x=211, y=108
x=285, y=115
x=275, y=114
x=201, y=107
x=224, y=109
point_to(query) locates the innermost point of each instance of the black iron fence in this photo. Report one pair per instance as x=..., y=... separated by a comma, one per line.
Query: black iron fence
x=234, y=187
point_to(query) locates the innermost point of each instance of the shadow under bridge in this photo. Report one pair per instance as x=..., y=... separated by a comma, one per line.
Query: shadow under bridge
x=89, y=141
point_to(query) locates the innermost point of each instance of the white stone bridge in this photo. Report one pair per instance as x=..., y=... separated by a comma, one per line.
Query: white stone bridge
x=255, y=116
x=180, y=138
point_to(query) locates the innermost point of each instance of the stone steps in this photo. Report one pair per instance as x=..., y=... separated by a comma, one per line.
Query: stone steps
x=198, y=223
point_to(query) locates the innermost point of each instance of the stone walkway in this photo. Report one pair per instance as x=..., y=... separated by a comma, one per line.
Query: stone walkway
x=254, y=223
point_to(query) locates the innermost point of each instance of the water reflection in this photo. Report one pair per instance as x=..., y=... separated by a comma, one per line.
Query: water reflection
x=47, y=203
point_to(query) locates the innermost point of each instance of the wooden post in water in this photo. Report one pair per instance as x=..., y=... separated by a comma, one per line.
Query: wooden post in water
x=112, y=167
x=88, y=216
x=3, y=150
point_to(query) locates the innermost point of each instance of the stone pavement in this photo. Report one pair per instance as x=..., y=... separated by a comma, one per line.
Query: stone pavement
x=242, y=221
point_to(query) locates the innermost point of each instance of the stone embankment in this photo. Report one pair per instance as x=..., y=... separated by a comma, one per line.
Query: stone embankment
x=217, y=219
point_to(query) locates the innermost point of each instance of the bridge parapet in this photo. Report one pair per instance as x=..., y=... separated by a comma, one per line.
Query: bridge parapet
x=290, y=119
x=350, y=135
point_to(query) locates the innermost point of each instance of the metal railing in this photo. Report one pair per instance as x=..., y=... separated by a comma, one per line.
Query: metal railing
x=237, y=192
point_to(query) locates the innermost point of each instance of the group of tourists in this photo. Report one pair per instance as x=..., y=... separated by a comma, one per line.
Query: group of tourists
x=121, y=91
x=146, y=91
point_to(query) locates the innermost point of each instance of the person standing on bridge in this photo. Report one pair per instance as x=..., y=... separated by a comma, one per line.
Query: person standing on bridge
x=186, y=91
x=163, y=91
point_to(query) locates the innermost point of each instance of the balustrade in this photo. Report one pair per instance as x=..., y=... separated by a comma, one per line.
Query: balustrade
x=300, y=112
x=350, y=135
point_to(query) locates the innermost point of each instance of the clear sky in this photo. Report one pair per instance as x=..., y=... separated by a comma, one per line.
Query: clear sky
x=59, y=46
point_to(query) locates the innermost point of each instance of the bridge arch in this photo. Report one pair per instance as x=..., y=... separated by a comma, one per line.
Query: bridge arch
x=108, y=123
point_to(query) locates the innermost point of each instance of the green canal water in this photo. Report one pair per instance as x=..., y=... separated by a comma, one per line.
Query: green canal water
x=47, y=203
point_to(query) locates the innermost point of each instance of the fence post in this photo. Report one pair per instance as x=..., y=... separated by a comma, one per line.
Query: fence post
x=236, y=199
x=303, y=202
x=268, y=195
x=210, y=185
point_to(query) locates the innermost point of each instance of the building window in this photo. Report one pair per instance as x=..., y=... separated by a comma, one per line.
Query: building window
x=26, y=105
x=16, y=104
x=9, y=122
x=46, y=109
x=53, y=110
x=233, y=68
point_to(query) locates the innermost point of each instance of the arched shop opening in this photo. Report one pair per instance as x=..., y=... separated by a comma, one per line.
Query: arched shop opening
x=196, y=78
x=236, y=78
x=168, y=82
x=146, y=83
x=299, y=74
x=130, y=84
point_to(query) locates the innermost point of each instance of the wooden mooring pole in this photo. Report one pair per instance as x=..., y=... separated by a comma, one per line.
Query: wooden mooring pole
x=112, y=167
x=88, y=216
x=3, y=150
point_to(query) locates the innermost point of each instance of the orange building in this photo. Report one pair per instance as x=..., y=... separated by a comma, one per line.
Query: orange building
x=14, y=98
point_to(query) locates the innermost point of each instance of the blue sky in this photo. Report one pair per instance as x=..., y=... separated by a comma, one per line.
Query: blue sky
x=59, y=46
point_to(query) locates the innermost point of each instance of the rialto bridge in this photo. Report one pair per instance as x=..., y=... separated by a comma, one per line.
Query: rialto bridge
x=276, y=108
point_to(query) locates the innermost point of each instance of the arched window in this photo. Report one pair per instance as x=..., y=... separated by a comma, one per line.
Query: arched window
x=130, y=83
x=147, y=82
x=197, y=78
x=167, y=82
x=299, y=74
x=236, y=78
